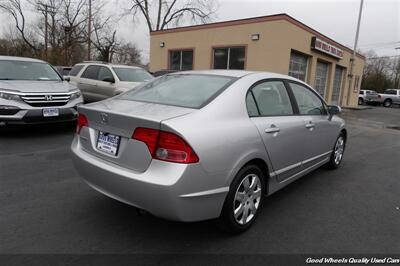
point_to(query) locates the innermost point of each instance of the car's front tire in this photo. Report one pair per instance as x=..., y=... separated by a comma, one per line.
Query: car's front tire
x=244, y=200
x=387, y=103
x=338, y=152
x=360, y=101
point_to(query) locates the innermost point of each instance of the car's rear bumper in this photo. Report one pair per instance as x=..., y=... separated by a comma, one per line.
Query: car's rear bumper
x=171, y=191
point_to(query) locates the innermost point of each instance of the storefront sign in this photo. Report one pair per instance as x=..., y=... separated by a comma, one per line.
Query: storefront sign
x=326, y=48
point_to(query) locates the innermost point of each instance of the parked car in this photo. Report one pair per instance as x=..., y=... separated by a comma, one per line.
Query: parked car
x=63, y=70
x=230, y=138
x=369, y=97
x=163, y=72
x=390, y=97
x=31, y=91
x=99, y=81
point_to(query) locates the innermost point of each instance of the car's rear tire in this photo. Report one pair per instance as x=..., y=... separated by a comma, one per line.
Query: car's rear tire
x=337, y=152
x=360, y=101
x=244, y=200
x=387, y=103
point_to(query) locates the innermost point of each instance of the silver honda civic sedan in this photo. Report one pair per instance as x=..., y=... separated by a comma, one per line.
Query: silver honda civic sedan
x=199, y=145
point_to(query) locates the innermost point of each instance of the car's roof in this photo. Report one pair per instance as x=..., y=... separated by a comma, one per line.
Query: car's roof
x=107, y=64
x=17, y=58
x=233, y=73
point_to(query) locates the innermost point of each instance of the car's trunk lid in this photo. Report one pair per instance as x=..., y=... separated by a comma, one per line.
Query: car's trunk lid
x=121, y=118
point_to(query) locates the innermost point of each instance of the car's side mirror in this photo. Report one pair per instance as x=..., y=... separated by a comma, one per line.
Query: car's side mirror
x=334, y=110
x=68, y=79
x=109, y=79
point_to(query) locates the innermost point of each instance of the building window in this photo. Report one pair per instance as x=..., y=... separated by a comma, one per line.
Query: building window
x=337, y=84
x=181, y=60
x=229, y=58
x=356, y=83
x=321, y=78
x=298, y=66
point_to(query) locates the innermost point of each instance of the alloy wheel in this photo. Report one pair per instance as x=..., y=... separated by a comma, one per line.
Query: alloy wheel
x=247, y=199
x=339, y=149
x=387, y=103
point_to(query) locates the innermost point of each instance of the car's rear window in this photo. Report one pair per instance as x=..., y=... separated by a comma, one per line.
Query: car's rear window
x=132, y=74
x=185, y=90
x=75, y=70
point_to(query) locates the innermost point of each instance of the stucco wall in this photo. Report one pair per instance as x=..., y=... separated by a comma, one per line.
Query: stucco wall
x=270, y=53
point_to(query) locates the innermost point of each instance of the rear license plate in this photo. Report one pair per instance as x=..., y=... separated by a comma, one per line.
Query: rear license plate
x=47, y=112
x=108, y=143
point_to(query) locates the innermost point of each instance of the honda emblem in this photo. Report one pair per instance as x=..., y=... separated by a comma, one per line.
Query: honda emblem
x=104, y=118
x=48, y=97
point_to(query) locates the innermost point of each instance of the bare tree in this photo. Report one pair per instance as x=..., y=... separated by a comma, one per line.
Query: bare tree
x=67, y=31
x=105, y=38
x=105, y=44
x=73, y=29
x=395, y=69
x=377, y=72
x=174, y=12
x=15, y=10
x=127, y=53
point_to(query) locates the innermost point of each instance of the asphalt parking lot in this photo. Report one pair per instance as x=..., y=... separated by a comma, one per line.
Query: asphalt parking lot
x=46, y=208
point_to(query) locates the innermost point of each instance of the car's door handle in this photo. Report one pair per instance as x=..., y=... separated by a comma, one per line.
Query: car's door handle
x=310, y=125
x=272, y=129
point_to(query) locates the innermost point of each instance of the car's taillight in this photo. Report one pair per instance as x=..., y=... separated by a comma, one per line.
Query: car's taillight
x=82, y=122
x=148, y=136
x=172, y=148
x=166, y=146
x=379, y=96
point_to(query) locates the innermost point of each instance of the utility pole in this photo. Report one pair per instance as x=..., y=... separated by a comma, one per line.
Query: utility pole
x=397, y=79
x=46, y=34
x=46, y=9
x=353, y=56
x=89, y=29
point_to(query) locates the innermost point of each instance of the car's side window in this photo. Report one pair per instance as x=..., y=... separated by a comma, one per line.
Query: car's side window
x=104, y=72
x=91, y=72
x=272, y=98
x=251, y=105
x=308, y=102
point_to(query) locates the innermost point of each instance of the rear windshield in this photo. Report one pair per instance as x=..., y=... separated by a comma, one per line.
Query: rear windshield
x=26, y=70
x=75, y=70
x=185, y=90
x=132, y=74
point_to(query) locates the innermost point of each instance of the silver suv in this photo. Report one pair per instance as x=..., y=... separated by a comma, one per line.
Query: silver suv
x=99, y=80
x=369, y=97
x=31, y=91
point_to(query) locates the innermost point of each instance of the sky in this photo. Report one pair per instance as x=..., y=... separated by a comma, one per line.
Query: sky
x=380, y=23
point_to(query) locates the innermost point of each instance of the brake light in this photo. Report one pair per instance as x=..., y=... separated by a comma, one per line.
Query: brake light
x=379, y=96
x=166, y=146
x=148, y=136
x=82, y=122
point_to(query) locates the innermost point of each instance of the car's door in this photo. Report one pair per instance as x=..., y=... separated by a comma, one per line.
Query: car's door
x=282, y=131
x=87, y=83
x=397, y=98
x=361, y=94
x=105, y=83
x=321, y=133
